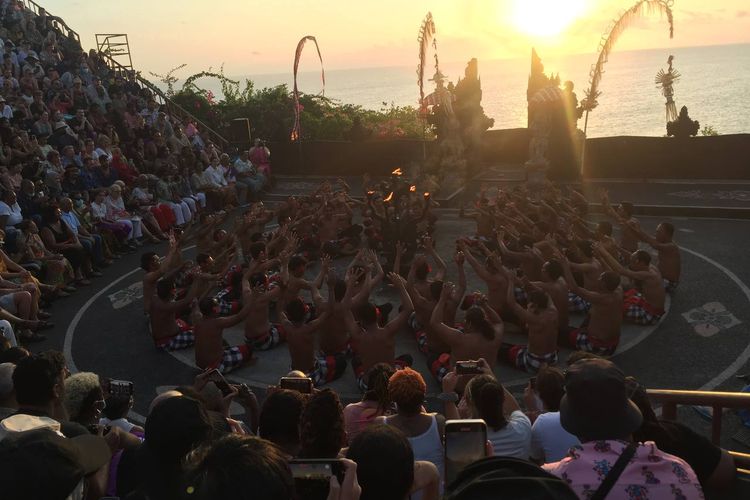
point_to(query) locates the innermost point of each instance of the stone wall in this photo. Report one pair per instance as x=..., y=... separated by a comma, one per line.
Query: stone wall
x=718, y=157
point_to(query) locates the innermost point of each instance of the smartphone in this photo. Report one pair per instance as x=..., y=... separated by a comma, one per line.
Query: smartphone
x=303, y=385
x=468, y=368
x=312, y=477
x=120, y=388
x=217, y=378
x=465, y=443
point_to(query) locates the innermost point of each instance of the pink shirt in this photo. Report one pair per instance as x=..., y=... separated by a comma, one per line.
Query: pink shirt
x=357, y=416
x=651, y=474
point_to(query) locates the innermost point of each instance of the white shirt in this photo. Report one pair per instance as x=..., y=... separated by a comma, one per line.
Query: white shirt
x=214, y=176
x=13, y=213
x=99, y=210
x=549, y=441
x=7, y=112
x=122, y=423
x=244, y=167
x=513, y=440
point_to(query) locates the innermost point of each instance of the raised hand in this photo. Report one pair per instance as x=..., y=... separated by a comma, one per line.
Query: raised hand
x=397, y=280
x=459, y=258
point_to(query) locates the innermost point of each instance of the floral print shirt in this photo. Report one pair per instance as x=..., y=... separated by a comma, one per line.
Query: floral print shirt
x=651, y=474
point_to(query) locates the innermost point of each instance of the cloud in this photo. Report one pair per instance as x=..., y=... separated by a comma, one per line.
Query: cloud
x=743, y=13
x=254, y=53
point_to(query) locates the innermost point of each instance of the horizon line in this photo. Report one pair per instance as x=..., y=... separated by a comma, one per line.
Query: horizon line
x=349, y=68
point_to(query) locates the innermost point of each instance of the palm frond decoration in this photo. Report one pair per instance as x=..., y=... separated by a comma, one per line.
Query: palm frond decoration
x=426, y=35
x=665, y=81
x=614, y=31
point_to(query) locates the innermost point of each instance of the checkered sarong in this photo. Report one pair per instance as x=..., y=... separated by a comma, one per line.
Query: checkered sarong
x=225, y=306
x=520, y=356
x=636, y=310
x=581, y=340
x=577, y=304
x=274, y=337
x=440, y=365
x=327, y=369
x=232, y=357
x=182, y=340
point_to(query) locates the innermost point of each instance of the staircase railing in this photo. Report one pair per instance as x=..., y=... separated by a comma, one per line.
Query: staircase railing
x=57, y=22
x=172, y=107
x=716, y=400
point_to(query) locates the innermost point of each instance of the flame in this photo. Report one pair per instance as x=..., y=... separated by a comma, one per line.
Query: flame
x=413, y=189
x=388, y=198
x=370, y=193
x=397, y=172
x=427, y=195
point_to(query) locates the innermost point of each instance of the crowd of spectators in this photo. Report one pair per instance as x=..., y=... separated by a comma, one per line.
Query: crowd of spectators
x=91, y=167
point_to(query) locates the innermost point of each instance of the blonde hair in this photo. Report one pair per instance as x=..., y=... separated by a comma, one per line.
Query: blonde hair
x=78, y=387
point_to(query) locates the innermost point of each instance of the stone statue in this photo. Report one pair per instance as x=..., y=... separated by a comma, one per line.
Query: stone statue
x=683, y=126
x=473, y=122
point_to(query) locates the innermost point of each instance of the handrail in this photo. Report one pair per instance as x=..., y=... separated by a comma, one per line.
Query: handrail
x=172, y=106
x=741, y=460
x=716, y=400
x=56, y=20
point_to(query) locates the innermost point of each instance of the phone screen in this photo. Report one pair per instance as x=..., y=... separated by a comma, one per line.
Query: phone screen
x=120, y=388
x=312, y=477
x=465, y=442
x=303, y=385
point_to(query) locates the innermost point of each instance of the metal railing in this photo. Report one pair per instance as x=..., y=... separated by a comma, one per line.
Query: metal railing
x=57, y=22
x=116, y=45
x=716, y=400
x=172, y=107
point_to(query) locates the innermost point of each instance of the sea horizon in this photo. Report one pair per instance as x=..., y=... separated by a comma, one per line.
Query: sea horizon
x=714, y=84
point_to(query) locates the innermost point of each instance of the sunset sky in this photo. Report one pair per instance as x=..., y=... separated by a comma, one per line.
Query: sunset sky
x=251, y=37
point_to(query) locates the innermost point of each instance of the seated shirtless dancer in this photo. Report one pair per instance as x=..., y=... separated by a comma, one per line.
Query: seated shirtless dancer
x=301, y=340
x=541, y=320
x=481, y=338
x=427, y=340
x=670, y=262
x=169, y=332
x=600, y=331
x=260, y=333
x=644, y=307
x=209, y=328
x=156, y=268
x=373, y=344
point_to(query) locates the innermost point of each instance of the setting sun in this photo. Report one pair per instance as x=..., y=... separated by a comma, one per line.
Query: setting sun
x=545, y=17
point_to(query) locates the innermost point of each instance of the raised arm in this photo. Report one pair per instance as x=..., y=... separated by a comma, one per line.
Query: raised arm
x=407, y=307
x=440, y=267
x=617, y=267
x=481, y=271
x=448, y=334
x=460, y=290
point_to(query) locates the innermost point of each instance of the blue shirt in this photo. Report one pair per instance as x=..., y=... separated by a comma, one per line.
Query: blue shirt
x=72, y=220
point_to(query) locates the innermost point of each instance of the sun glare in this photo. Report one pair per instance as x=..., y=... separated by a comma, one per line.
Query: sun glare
x=545, y=18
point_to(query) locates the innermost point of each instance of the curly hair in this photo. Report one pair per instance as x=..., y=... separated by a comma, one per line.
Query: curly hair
x=377, y=385
x=407, y=389
x=321, y=426
x=78, y=392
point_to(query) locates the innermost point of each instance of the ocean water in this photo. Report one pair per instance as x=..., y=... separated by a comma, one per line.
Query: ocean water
x=715, y=86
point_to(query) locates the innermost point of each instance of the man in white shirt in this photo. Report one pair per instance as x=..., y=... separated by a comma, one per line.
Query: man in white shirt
x=5, y=110
x=247, y=176
x=214, y=180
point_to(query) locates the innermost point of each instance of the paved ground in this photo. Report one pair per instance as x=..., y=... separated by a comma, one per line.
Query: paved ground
x=701, y=343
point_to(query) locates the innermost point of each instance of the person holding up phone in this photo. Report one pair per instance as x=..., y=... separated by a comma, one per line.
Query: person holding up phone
x=508, y=428
x=481, y=338
x=209, y=329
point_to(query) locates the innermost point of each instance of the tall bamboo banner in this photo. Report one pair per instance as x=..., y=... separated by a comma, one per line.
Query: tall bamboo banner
x=607, y=44
x=297, y=130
